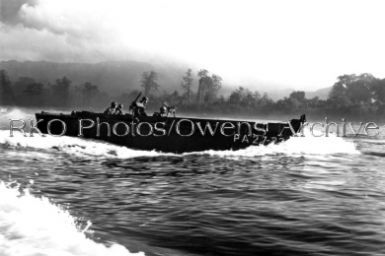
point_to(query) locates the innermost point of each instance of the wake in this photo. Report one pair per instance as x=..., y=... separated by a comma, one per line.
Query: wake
x=308, y=145
x=94, y=149
x=295, y=146
x=34, y=226
x=71, y=145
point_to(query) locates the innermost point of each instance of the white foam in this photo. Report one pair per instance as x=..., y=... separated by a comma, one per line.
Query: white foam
x=307, y=145
x=72, y=145
x=34, y=226
x=14, y=113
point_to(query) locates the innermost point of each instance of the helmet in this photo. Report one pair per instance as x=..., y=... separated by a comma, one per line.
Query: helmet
x=144, y=99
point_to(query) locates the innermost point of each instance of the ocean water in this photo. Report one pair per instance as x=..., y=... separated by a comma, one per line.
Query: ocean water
x=306, y=196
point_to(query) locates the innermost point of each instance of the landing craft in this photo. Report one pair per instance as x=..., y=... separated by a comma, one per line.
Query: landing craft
x=168, y=134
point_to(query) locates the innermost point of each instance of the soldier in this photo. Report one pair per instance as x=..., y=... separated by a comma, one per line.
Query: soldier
x=111, y=109
x=163, y=109
x=119, y=110
x=140, y=107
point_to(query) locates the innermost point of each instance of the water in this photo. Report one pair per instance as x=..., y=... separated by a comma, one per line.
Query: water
x=306, y=196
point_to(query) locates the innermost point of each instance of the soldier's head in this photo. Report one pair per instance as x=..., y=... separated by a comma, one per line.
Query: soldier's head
x=144, y=100
x=113, y=104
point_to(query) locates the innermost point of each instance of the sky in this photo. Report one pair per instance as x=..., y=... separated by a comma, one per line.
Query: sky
x=299, y=44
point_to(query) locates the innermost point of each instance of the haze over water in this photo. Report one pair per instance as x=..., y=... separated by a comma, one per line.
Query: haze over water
x=306, y=196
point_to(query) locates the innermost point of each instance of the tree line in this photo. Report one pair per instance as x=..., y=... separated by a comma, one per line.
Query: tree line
x=352, y=96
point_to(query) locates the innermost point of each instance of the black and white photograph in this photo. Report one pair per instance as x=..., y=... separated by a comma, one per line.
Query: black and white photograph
x=192, y=128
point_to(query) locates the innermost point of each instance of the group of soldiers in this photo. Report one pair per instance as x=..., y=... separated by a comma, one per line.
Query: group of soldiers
x=114, y=109
x=138, y=108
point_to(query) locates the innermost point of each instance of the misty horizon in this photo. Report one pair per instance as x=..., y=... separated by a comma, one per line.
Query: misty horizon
x=123, y=76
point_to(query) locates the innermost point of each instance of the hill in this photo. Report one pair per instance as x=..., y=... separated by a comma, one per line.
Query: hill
x=322, y=94
x=116, y=77
x=113, y=77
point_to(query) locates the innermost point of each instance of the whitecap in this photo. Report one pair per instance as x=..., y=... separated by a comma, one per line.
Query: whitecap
x=34, y=226
x=72, y=145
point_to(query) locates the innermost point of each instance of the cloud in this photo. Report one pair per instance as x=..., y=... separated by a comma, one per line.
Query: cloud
x=9, y=10
x=299, y=43
x=57, y=31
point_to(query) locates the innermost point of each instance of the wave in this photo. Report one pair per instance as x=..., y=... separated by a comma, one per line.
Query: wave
x=307, y=145
x=72, y=145
x=88, y=148
x=374, y=153
x=14, y=113
x=34, y=226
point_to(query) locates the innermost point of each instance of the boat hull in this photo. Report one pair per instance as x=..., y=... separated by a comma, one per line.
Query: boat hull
x=167, y=134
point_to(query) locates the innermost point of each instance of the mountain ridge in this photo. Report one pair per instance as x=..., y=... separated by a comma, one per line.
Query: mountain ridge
x=116, y=77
